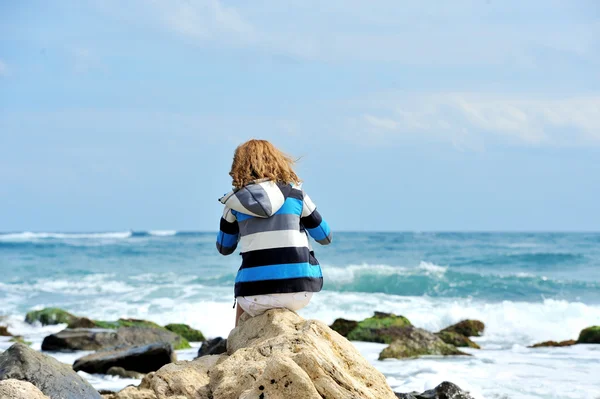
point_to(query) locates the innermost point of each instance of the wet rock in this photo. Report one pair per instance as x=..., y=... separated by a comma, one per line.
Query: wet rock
x=121, y=372
x=4, y=332
x=379, y=328
x=446, y=390
x=80, y=339
x=50, y=316
x=214, y=346
x=186, y=332
x=553, y=344
x=590, y=335
x=54, y=379
x=15, y=389
x=142, y=359
x=96, y=339
x=468, y=328
x=343, y=326
x=82, y=322
x=457, y=340
x=412, y=342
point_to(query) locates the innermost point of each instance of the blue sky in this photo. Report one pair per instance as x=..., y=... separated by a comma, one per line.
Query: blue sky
x=462, y=115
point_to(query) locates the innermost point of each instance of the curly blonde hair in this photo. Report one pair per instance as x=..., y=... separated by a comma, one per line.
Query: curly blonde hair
x=259, y=159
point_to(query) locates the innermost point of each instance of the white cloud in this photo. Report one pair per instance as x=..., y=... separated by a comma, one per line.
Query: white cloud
x=463, y=33
x=566, y=121
x=205, y=20
x=3, y=69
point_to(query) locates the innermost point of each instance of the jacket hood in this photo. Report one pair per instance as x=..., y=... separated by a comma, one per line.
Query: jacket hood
x=261, y=198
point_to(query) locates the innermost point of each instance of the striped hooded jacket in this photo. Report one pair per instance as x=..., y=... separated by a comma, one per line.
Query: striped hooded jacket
x=271, y=222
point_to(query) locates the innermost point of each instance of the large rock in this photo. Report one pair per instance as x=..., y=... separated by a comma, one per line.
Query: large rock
x=50, y=316
x=590, y=335
x=54, y=379
x=457, y=340
x=15, y=389
x=553, y=344
x=343, y=326
x=186, y=332
x=468, y=328
x=4, y=332
x=411, y=342
x=379, y=328
x=446, y=390
x=96, y=339
x=80, y=339
x=214, y=346
x=277, y=355
x=142, y=359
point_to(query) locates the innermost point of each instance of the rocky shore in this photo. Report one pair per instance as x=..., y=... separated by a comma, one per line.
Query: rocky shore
x=276, y=355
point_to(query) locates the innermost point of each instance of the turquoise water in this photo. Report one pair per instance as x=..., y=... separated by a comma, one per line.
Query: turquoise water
x=486, y=266
x=526, y=287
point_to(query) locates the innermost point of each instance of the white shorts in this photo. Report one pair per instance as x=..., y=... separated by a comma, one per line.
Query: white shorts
x=259, y=304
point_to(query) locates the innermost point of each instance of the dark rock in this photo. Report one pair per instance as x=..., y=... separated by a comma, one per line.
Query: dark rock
x=214, y=346
x=553, y=344
x=80, y=339
x=96, y=339
x=53, y=378
x=590, y=335
x=82, y=322
x=343, y=326
x=4, y=332
x=457, y=340
x=468, y=328
x=186, y=332
x=121, y=372
x=411, y=342
x=143, y=359
x=446, y=390
x=378, y=328
x=50, y=316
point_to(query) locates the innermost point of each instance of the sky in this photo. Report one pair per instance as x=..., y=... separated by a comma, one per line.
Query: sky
x=479, y=115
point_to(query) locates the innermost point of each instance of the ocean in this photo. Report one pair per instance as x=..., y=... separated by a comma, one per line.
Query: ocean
x=526, y=288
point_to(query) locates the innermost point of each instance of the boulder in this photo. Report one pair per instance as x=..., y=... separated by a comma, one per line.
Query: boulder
x=54, y=379
x=553, y=344
x=15, y=389
x=214, y=346
x=590, y=335
x=82, y=322
x=277, y=355
x=97, y=338
x=142, y=359
x=4, y=332
x=468, y=328
x=343, y=326
x=412, y=342
x=458, y=340
x=378, y=328
x=186, y=332
x=50, y=316
x=121, y=372
x=80, y=339
x=446, y=390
